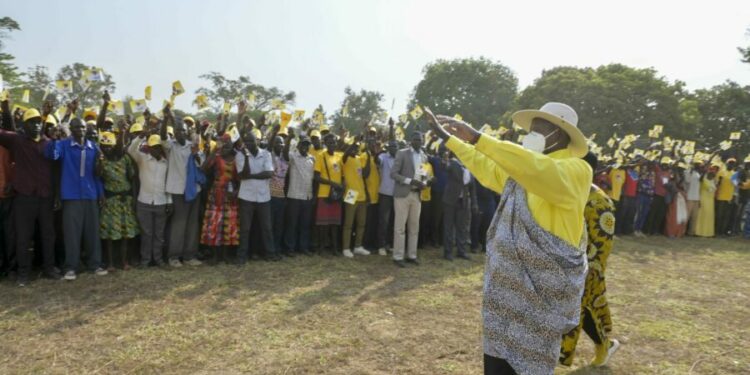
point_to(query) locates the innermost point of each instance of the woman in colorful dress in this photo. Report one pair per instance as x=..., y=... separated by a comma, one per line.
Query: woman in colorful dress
x=677, y=213
x=595, y=320
x=117, y=220
x=221, y=220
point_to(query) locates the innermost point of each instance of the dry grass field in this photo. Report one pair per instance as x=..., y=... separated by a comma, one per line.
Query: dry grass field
x=679, y=307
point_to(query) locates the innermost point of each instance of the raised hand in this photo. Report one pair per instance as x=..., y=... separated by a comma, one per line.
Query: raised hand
x=106, y=98
x=435, y=124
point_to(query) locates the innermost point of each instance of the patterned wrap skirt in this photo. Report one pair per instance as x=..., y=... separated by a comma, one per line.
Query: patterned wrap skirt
x=117, y=220
x=221, y=220
x=328, y=213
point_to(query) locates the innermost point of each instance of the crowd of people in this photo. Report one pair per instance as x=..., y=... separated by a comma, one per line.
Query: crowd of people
x=190, y=192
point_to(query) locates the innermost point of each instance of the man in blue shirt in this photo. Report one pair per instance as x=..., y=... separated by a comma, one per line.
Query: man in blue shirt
x=80, y=190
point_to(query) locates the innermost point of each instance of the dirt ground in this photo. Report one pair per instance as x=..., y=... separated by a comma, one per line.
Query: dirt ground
x=679, y=307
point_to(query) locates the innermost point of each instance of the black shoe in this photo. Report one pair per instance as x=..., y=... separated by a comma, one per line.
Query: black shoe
x=308, y=253
x=53, y=274
x=240, y=262
x=400, y=263
x=413, y=261
x=463, y=256
x=448, y=257
x=254, y=257
x=142, y=266
x=289, y=254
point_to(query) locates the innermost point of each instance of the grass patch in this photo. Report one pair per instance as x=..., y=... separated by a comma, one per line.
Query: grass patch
x=676, y=305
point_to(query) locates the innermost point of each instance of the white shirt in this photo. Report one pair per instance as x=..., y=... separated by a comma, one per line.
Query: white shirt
x=153, y=176
x=693, y=180
x=301, y=173
x=177, y=157
x=253, y=190
x=417, y=158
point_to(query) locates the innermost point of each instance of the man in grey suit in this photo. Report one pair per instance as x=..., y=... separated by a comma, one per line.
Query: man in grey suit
x=459, y=199
x=410, y=177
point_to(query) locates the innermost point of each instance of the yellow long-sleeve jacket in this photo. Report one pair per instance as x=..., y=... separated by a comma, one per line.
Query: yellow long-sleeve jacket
x=557, y=185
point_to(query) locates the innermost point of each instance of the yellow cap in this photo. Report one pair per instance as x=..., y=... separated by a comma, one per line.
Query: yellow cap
x=188, y=118
x=51, y=120
x=140, y=119
x=257, y=134
x=747, y=159
x=109, y=120
x=89, y=112
x=666, y=160
x=91, y=123
x=682, y=165
x=315, y=133
x=154, y=140
x=372, y=129
x=107, y=139
x=170, y=130
x=30, y=114
x=137, y=127
x=324, y=128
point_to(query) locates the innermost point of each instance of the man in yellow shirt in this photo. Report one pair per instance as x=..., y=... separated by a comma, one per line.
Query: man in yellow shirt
x=536, y=260
x=355, y=201
x=724, y=196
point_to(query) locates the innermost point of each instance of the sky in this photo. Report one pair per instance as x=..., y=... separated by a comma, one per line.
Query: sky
x=318, y=47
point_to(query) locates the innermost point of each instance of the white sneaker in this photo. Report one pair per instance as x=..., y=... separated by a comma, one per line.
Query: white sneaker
x=193, y=262
x=70, y=275
x=382, y=251
x=101, y=272
x=175, y=263
x=348, y=253
x=361, y=251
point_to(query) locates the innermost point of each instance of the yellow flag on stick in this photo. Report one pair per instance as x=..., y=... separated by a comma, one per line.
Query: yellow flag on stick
x=318, y=117
x=227, y=107
x=177, y=88
x=26, y=96
x=658, y=128
x=458, y=117
x=653, y=133
x=299, y=115
x=64, y=86
x=117, y=107
x=399, y=133
x=416, y=112
x=286, y=118
x=486, y=128
x=735, y=136
x=345, y=110
x=147, y=92
x=201, y=101
x=138, y=105
x=251, y=99
x=725, y=145
x=403, y=118
x=278, y=104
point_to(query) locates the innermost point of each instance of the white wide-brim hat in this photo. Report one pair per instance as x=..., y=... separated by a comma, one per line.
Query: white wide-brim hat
x=561, y=115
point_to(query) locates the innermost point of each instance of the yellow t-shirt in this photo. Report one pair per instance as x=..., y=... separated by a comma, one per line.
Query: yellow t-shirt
x=725, y=191
x=617, y=179
x=557, y=185
x=335, y=167
x=426, y=194
x=353, y=176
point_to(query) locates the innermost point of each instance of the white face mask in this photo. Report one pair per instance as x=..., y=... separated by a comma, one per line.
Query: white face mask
x=537, y=142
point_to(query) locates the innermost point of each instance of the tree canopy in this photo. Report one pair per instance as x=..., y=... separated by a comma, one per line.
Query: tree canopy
x=358, y=109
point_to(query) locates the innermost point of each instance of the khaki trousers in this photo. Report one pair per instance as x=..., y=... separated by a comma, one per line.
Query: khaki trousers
x=407, y=211
x=354, y=212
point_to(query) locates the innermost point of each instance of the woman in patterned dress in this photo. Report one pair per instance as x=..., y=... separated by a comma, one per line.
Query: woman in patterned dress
x=595, y=320
x=221, y=221
x=118, y=221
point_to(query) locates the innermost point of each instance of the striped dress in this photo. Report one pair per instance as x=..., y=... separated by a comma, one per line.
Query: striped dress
x=532, y=287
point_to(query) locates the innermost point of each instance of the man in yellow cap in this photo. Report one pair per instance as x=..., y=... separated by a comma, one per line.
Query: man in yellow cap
x=82, y=194
x=724, y=197
x=34, y=198
x=536, y=259
x=154, y=202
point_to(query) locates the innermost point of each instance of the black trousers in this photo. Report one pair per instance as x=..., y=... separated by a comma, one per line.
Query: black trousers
x=655, y=220
x=723, y=216
x=370, y=241
x=436, y=211
x=497, y=366
x=625, y=216
x=249, y=211
x=299, y=213
x=27, y=211
x=7, y=237
x=456, y=221
x=385, y=220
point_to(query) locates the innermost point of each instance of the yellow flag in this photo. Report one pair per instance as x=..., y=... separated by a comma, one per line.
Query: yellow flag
x=345, y=110
x=201, y=101
x=403, y=118
x=286, y=117
x=147, y=92
x=486, y=128
x=735, y=136
x=278, y=104
x=458, y=117
x=64, y=86
x=611, y=142
x=653, y=133
x=399, y=133
x=4, y=95
x=177, y=88
x=138, y=105
x=26, y=96
x=725, y=145
x=659, y=128
x=299, y=115
x=227, y=107
x=61, y=111
x=318, y=117
x=117, y=107
x=416, y=112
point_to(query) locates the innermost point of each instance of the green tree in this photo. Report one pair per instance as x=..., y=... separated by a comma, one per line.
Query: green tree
x=724, y=108
x=37, y=81
x=745, y=52
x=90, y=96
x=360, y=107
x=480, y=90
x=223, y=89
x=9, y=71
x=611, y=99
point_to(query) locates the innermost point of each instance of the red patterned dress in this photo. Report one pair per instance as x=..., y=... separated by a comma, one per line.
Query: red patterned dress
x=221, y=221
